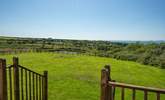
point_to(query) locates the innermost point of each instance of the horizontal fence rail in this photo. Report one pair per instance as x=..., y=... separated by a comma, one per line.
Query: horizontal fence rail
x=108, y=88
x=21, y=83
x=150, y=89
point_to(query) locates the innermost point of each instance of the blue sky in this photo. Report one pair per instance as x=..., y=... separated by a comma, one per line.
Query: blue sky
x=84, y=19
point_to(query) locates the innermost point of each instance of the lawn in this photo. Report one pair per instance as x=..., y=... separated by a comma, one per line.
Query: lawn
x=77, y=77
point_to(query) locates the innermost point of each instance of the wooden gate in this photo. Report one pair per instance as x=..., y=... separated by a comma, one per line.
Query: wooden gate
x=20, y=83
x=108, y=87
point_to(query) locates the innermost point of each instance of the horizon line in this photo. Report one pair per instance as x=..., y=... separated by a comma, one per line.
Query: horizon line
x=82, y=39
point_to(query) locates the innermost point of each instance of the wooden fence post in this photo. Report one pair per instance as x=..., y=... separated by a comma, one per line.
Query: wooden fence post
x=104, y=84
x=45, y=85
x=16, y=79
x=3, y=80
x=109, y=88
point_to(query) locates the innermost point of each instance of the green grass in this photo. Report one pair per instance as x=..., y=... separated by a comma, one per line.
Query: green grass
x=76, y=77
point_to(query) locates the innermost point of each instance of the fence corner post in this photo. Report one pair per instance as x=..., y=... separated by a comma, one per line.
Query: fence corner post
x=3, y=80
x=45, y=85
x=104, y=84
x=16, y=78
x=110, y=90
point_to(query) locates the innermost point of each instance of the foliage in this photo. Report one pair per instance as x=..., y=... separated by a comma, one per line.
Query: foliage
x=148, y=53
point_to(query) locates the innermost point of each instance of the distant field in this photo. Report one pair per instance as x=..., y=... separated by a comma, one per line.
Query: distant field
x=76, y=77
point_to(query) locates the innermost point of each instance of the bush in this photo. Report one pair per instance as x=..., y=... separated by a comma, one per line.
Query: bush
x=162, y=61
x=144, y=59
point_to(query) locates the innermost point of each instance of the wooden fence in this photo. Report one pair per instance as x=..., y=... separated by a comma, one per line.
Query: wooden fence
x=20, y=83
x=108, y=87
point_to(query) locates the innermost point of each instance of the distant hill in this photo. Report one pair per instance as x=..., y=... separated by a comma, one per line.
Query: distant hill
x=142, y=42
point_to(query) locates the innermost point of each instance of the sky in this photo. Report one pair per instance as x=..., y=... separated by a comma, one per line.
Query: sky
x=84, y=19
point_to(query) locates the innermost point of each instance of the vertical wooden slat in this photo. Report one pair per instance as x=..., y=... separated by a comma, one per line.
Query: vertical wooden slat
x=158, y=96
x=10, y=84
x=39, y=87
x=16, y=79
x=33, y=87
x=133, y=94
x=36, y=87
x=145, y=95
x=109, y=93
x=26, y=84
x=22, y=86
x=45, y=85
x=113, y=92
x=30, y=95
x=43, y=88
x=122, y=93
x=3, y=80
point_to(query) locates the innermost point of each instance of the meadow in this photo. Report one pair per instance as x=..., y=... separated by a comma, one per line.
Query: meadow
x=77, y=77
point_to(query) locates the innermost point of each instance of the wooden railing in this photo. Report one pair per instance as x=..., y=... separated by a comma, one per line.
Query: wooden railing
x=108, y=87
x=20, y=83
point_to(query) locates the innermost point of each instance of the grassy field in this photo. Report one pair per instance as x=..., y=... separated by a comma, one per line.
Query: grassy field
x=76, y=77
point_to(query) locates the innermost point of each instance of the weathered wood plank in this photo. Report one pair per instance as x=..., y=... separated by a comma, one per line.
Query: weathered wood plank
x=122, y=93
x=45, y=85
x=104, y=81
x=16, y=79
x=145, y=95
x=133, y=94
x=3, y=80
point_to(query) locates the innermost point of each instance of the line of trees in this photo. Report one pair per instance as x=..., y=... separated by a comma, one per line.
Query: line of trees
x=148, y=53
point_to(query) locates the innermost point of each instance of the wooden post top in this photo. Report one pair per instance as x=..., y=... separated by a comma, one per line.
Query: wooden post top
x=15, y=61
